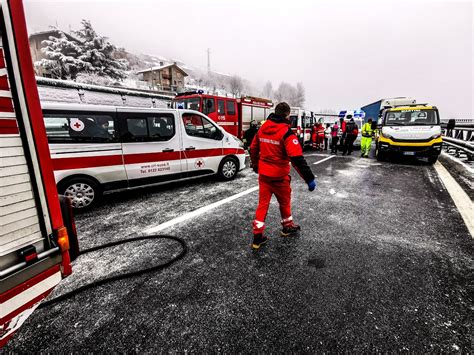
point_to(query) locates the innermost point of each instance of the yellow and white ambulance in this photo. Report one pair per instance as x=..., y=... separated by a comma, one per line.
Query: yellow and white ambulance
x=413, y=130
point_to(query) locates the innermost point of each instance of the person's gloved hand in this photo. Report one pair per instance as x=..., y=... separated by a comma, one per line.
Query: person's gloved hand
x=312, y=185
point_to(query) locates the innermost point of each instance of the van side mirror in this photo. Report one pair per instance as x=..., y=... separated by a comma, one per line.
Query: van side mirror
x=379, y=122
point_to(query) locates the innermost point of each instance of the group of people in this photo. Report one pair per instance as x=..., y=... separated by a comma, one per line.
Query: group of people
x=341, y=136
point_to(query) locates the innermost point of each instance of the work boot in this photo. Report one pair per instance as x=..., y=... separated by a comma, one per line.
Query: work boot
x=290, y=230
x=258, y=241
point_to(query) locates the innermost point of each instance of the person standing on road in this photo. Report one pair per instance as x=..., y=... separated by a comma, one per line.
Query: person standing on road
x=351, y=134
x=250, y=134
x=342, y=137
x=327, y=136
x=366, y=141
x=273, y=148
x=334, y=137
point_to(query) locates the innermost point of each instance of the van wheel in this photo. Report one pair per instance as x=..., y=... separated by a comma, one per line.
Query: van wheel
x=228, y=168
x=380, y=156
x=82, y=192
x=432, y=159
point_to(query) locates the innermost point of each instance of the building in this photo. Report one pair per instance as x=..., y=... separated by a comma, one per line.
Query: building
x=164, y=77
x=36, y=45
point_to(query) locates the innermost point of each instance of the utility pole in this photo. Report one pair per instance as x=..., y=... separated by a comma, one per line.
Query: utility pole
x=209, y=61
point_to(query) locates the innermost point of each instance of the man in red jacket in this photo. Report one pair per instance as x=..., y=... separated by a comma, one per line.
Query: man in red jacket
x=271, y=152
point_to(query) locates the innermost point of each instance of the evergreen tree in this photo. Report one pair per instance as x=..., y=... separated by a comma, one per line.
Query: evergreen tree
x=98, y=53
x=62, y=57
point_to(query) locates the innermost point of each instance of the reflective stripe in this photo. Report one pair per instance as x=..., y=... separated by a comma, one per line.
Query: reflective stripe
x=286, y=220
x=259, y=224
x=271, y=141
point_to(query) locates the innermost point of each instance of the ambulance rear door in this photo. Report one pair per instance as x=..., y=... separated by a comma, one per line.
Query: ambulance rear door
x=151, y=145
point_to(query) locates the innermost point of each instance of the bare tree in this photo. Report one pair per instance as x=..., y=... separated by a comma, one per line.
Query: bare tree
x=299, y=98
x=268, y=90
x=236, y=85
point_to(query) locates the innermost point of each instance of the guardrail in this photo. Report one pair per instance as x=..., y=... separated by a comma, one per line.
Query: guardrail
x=462, y=131
x=458, y=146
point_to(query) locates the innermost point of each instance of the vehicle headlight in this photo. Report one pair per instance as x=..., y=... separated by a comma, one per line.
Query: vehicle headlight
x=386, y=135
x=241, y=144
x=437, y=135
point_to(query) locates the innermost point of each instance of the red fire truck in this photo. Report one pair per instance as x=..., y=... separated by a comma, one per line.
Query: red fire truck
x=37, y=234
x=234, y=115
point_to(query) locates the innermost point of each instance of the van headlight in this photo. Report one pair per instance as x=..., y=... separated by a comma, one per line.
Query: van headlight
x=241, y=144
x=437, y=135
x=386, y=135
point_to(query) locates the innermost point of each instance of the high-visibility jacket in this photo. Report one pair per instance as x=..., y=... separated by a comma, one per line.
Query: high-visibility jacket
x=274, y=146
x=367, y=130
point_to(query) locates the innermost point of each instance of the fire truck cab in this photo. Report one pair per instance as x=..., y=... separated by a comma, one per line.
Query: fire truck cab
x=37, y=234
x=232, y=114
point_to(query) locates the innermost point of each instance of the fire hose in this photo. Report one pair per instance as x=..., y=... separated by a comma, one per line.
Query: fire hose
x=121, y=276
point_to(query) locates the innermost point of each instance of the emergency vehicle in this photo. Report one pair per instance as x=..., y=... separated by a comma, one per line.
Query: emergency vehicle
x=301, y=122
x=97, y=149
x=413, y=130
x=358, y=117
x=233, y=115
x=37, y=234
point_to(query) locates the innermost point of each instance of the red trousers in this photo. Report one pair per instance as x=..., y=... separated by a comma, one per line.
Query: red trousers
x=280, y=187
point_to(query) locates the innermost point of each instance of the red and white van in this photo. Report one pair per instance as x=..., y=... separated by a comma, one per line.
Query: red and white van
x=234, y=115
x=302, y=121
x=97, y=149
x=37, y=234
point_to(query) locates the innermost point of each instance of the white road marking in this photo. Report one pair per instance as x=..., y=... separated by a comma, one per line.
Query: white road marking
x=318, y=162
x=461, y=199
x=197, y=212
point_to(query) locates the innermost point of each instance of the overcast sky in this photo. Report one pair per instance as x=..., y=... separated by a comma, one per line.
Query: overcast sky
x=346, y=53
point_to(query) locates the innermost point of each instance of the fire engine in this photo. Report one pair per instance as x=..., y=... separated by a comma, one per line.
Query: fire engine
x=37, y=234
x=233, y=114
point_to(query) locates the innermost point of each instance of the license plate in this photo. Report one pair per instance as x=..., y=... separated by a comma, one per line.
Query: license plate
x=408, y=153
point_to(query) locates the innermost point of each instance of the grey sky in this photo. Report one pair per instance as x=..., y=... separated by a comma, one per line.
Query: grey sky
x=346, y=53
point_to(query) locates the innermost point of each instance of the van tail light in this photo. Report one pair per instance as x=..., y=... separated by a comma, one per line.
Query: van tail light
x=62, y=239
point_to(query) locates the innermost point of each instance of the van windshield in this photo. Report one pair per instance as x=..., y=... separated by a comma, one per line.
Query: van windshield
x=294, y=121
x=190, y=104
x=411, y=118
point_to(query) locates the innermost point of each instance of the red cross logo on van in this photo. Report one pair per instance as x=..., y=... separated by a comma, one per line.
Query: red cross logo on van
x=77, y=125
x=199, y=164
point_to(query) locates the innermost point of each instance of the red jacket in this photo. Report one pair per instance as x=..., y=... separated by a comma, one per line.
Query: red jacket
x=274, y=146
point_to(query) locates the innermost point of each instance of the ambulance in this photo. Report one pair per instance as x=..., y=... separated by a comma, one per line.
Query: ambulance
x=37, y=234
x=301, y=122
x=413, y=130
x=99, y=149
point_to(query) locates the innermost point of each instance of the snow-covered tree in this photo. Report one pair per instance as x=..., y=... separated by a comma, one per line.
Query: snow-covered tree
x=62, y=57
x=99, y=53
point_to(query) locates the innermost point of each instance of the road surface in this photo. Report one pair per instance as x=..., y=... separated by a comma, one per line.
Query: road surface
x=383, y=263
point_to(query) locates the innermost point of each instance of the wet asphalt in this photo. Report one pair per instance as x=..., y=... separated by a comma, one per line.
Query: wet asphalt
x=383, y=263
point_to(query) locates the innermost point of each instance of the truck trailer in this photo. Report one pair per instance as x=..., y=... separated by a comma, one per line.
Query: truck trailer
x=374, y=110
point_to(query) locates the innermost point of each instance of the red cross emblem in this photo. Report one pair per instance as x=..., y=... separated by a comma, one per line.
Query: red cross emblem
x=77, y=125
x=199, y=163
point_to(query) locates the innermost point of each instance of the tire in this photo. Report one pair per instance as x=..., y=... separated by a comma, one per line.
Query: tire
x=380, y=156
x=68, y=221
x=432, y=159
x=83, y=192
x=228, y=168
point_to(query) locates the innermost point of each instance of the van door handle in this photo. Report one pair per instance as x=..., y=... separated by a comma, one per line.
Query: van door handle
x=190, y=148
x=167, y=150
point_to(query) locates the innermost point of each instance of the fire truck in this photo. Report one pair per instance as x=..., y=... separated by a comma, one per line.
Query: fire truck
x=37, y=234
x=233, y=114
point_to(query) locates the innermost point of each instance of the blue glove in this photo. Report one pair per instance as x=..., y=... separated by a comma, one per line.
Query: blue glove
x=312, y=185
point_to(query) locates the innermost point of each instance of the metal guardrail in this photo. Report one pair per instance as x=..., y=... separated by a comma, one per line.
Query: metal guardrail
x=458, y=146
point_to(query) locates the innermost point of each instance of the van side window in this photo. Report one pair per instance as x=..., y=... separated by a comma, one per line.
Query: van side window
x=198, y=126
x=209, y=106
x=148, y=128
x=79, y=128
x=230, y=107
x=220, y=107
